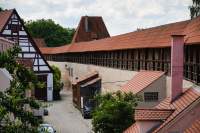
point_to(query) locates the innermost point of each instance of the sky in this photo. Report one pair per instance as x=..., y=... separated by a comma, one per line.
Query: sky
x=120, y=16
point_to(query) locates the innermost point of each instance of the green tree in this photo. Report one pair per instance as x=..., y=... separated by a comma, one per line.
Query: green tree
x=195, y=8
x=14, y=100
x=1, y=9
x=57, y=84
x=114, y=112
x=54, y=34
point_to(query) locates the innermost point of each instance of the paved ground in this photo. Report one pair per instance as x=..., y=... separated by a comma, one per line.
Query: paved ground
x=65, y=117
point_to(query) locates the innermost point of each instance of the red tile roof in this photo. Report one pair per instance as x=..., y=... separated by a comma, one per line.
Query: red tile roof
x=90, y=75
x=96, y=26
x=132, y=129
x=57, y=50
x=40, y=42
x=194, y=128
x=5, y=44
x=91, y=82
x=155, y=37
x=141, y=80
x=28, y=63
x=159, y=36
x=4, y=16
x=152, y=114
x=179, y=105
x=176, y=107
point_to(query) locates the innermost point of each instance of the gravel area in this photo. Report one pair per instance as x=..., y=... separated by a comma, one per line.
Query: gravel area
x=65, y=117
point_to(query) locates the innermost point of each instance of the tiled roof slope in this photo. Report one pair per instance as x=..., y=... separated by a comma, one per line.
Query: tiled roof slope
x=155, y=37
x=179, y=105
x=25, y=62
x=149, y=38
x=96, y=29
x=4, y=16
x=89, y=76
x=141, y=81
x=52, y=50
x=40, y=42
x=132, y=129
x=176, y=107
x=5, y=44
x=152, y=114
x=195, y=127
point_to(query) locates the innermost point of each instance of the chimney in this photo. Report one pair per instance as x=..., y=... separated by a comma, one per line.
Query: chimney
x=177, y=46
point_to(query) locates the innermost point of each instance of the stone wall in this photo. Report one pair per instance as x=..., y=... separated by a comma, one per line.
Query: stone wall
x=112, y=79
x=64, y=72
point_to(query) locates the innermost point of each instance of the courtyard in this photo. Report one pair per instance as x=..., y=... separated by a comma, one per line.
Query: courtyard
x=65, y=117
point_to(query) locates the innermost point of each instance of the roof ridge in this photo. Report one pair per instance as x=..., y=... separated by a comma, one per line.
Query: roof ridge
x=153, y=37
x=90, y=16
x=154, y=109
x=5, y=16
x=7, y=10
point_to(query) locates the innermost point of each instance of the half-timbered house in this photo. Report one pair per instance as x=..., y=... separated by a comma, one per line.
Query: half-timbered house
x=12, y=27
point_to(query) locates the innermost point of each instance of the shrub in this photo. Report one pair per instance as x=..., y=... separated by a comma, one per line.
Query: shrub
x=114, y=112
x=57, y=84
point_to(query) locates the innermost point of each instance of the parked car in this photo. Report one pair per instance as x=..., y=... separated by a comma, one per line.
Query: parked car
x=88, y=109
x=46, y=128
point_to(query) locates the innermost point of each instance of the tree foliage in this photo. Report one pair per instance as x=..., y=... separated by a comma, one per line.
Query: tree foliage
x=57, y=85
x=14, y=101
x=54, y=34
x=1, y=9
x=195, y=8
x=114, y=112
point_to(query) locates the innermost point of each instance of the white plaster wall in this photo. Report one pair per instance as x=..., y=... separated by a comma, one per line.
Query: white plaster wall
x=186, y=85
x=159, y=86
x=112, y=79
x=64, y=72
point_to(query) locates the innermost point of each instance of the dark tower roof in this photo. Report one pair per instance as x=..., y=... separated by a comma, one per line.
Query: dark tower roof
x=90, y=28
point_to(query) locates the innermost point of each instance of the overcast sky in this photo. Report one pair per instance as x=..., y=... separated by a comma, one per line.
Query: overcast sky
x=120, y=16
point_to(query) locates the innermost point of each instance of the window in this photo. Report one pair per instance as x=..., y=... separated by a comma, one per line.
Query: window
x=150, y=96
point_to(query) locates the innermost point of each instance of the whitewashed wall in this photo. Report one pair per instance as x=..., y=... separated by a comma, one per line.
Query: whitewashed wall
x=112, y=79
x=64, y=72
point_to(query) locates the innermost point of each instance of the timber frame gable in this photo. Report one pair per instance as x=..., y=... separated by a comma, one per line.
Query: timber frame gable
x=15, y=30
